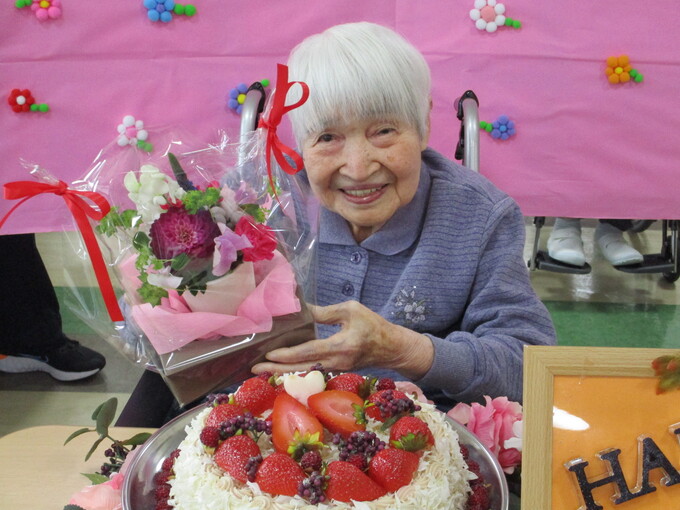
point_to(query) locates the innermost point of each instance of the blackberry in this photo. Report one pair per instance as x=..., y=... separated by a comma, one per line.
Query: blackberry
x=312, y=488
x=391, y=406
x=252, y=465
x=215, y=399
x=244, y=423
x=311, y=461
x=361, y=442
x=210, y=437
x=385, y=383
x=479, y=499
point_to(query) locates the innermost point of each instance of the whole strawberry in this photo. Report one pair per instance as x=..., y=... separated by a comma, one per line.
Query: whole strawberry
x=256, y=395
x=411, y=434
x=223, y=412
x=279, y=474
x=233, y=454
x=346, y=482
x=350, y=382
x=393, y=468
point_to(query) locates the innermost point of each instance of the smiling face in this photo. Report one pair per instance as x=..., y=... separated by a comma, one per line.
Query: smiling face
x=364, y=170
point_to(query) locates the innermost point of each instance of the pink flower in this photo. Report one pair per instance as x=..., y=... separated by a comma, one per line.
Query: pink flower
x=177, y=231
x=46, y=9
x=493, y=425
x=226, y=253
x=260, y=236
x=104, y=496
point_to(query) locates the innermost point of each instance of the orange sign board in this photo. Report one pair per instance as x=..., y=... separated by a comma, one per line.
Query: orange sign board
x=597, y=436
x=612, y=413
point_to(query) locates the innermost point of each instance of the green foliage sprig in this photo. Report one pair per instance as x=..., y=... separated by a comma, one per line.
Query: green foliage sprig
x=103, y=417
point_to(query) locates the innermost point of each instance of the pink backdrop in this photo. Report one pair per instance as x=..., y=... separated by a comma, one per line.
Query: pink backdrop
x=583, y=147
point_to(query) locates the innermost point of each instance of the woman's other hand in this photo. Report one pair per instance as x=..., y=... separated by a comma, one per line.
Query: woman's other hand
x=365, y=339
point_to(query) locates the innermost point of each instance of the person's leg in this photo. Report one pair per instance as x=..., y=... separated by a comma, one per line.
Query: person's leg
x=609, y=239
x=565, y=244
x=31, y=338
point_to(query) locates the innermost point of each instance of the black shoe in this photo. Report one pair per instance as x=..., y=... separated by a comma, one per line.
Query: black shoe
x=69, y=362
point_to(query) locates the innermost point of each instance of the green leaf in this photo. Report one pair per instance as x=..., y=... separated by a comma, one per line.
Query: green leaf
x=94, y=447
x=151, y=293
x=105, y=416
x=196, y=200
x=141, y=241
x=77, y=433
x=95, y=478
x=180, y=262
x=137, y=439
x=255, y=211
x=73, y=507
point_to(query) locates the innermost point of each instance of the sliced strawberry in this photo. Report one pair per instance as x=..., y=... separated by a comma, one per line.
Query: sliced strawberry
x=223, y=412
x=256, y=395
x=347, y=482
x=232, y=455
x=347, y=382
x=338, y=411
x=279, y=474
x=393, y=468
x=378, y=399
x=411, y=434
x=293, y=425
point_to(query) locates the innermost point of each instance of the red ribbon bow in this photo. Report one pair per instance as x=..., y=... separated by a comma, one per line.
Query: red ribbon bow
x=80, y=210
x=278, y=110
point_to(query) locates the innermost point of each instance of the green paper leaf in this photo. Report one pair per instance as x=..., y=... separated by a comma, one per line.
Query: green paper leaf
x=77, y=433
x=137, y=439
x=105, y=415
x=95, y=478
x=94, y=447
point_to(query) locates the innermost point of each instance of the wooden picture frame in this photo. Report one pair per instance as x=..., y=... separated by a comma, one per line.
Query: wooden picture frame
x=541, y=365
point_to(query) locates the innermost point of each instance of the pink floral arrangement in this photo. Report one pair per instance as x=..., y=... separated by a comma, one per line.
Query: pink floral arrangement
x=202, y=263
x=498, y=426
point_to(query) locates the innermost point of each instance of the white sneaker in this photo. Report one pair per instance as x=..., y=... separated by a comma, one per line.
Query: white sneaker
x=614, y=247
x=565, y=244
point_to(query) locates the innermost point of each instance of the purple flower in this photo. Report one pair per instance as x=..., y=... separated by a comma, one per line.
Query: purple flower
x=228, y=244
x=177, y=231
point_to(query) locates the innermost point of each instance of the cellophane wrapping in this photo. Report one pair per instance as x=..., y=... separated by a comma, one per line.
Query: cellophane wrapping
x=212, y=266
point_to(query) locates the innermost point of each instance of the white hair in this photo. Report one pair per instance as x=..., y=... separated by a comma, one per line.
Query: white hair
x=358, y=71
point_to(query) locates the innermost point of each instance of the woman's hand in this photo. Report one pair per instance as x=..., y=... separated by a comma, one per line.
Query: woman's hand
x=365, y=339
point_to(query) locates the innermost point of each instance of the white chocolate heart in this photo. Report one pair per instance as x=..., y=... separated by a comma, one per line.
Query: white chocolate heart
x=301, y=388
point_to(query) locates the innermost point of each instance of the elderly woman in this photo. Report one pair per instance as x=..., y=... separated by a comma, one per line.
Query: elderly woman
x=420, y=268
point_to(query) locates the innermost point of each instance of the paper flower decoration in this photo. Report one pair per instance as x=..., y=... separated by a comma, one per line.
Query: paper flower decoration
x=619, y=70
x=132, y=132
x=162, y=10
x=43, y=9
x=23, y=101
x=237, y=96
x=500, y=129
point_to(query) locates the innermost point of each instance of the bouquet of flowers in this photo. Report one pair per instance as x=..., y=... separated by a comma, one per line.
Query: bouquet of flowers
x=208, y=258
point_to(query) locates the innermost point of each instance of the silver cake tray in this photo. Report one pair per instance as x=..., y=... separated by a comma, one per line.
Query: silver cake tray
x=138, y=487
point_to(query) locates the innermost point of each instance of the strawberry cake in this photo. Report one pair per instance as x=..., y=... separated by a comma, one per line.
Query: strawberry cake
x=314, y=440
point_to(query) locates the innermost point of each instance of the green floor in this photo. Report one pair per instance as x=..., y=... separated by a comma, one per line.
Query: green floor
x=577, y=323
x=616, y=325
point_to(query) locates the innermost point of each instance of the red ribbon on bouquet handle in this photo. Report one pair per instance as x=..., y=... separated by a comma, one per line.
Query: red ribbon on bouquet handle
x=81, y=210
x=278, y=110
